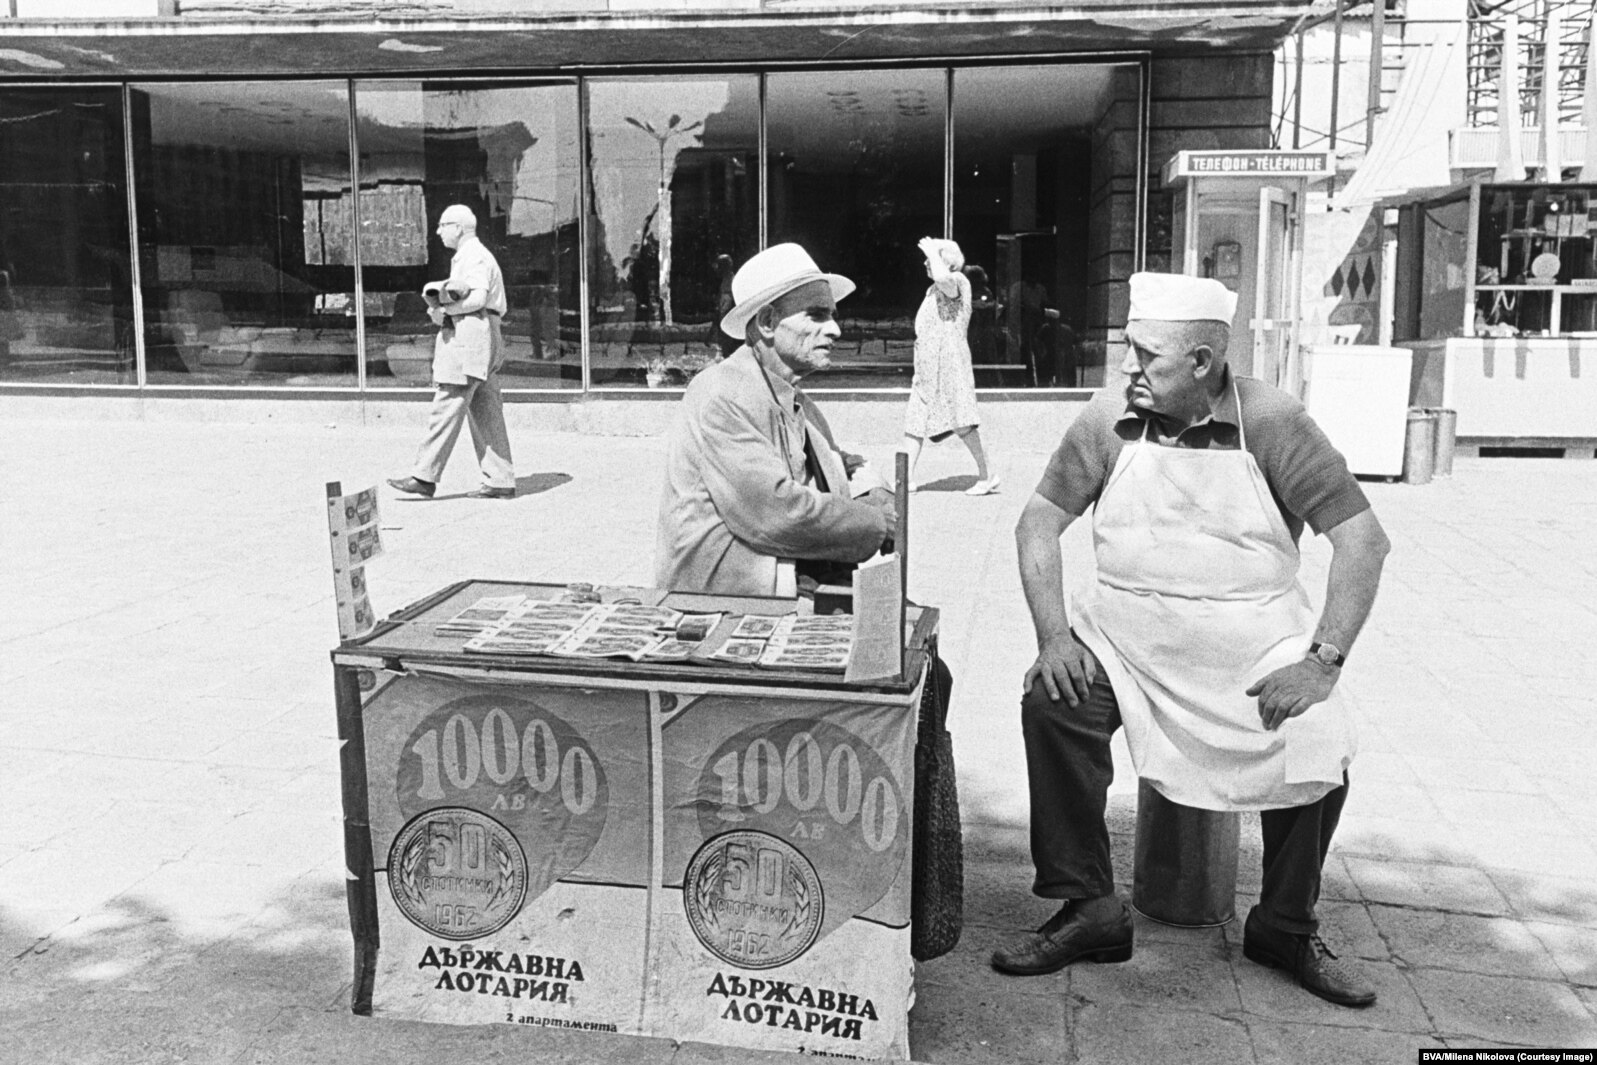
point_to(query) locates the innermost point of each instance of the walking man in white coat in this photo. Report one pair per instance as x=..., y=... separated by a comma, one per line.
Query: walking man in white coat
x=467, y=356
x=1197, y=636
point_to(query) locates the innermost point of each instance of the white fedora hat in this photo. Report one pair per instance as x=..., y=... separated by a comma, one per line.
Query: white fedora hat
x=771, y=274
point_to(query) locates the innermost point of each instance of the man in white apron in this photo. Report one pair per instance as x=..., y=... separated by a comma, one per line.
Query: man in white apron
x=1196, y=635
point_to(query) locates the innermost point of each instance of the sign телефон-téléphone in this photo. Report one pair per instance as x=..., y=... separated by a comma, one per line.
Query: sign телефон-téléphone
x=1248, y=163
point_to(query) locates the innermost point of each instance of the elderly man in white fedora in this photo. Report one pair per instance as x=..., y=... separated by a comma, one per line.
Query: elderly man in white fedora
x=1196, y=634
x=757, y=493
x=467, y=355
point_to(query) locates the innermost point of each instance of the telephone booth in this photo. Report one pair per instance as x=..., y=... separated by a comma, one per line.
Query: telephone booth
x=1238, y=218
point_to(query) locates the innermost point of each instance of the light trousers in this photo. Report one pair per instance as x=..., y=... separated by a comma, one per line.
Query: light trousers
x=479, y=405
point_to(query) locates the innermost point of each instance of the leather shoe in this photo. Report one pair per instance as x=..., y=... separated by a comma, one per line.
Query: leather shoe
x=413, y=486
x=1318, y=970
x=1066, y=937
x=490, y=492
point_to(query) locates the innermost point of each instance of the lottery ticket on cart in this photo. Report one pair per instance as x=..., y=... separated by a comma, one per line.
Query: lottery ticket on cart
x=672, y=650
x=633, y=645
x=756, y=627
x=633, y=616
x=743, y=652
x=521, y=638
x=481, y=616
x=831, y=623
x=545, y=610
x=530, y=628
x=821, y=643
x=830, y=657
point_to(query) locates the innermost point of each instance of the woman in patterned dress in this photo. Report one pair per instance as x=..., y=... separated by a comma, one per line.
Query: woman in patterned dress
x=942, y=395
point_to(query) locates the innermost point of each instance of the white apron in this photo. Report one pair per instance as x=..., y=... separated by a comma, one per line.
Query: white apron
x=1197, y=598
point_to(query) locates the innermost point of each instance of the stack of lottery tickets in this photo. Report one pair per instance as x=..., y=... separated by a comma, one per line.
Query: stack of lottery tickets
x=619, y=631
x=790, y=642
x=577, y=630
x=481, y=616
x=747, y=640
x=533, y=628
x=820, y=642
x=518, y=626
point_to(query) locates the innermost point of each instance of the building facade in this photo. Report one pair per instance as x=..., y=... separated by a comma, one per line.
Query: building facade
x=240, y=198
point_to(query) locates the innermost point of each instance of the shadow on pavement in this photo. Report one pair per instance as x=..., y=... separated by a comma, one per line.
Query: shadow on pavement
x=1461, y=956
x=949, y=484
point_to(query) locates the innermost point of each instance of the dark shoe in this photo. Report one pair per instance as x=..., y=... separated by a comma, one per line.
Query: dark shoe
x=1067, y=937
x=413, y=486
x=490, y=492
x=1317, y=969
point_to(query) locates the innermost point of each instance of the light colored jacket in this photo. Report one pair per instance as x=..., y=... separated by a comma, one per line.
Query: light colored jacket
x=736, y=503
x=470, y=343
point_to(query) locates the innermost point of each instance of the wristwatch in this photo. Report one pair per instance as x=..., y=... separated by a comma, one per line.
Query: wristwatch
x=1327, y=654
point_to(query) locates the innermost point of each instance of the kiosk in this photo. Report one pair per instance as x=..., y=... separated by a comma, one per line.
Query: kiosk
x=1495, y=291
x=1237, y=217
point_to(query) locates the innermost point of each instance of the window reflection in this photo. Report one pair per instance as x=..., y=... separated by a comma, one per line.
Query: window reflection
x=856, y=176
x=245, y=256
x=509, y=152
x=1023, y=185
x=66, y=296
x=675, y=207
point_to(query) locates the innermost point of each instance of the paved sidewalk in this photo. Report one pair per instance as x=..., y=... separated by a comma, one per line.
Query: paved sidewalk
x=171, y=876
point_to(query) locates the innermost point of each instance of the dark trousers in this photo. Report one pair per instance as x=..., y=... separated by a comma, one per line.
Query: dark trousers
x=1069, y=768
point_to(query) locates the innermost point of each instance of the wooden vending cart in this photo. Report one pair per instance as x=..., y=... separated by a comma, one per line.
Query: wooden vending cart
x=702, y=850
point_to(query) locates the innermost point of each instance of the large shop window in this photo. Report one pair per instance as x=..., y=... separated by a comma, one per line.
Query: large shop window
x=855, y=164
x=1023, y=181
x=675, y=212
x=510, y=153
x=66, y=295
x=245, y=237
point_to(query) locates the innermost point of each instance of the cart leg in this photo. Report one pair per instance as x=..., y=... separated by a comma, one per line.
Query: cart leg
x=360, y=885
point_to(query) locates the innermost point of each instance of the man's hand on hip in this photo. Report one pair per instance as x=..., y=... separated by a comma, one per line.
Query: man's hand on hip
x=1291, y=690
x=1066, y=668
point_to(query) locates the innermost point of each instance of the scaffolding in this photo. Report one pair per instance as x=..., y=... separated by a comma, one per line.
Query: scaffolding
x=1390, y=42
x=1485, y=57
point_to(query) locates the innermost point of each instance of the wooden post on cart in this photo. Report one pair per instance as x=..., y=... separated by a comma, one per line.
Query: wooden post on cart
x=901, y=545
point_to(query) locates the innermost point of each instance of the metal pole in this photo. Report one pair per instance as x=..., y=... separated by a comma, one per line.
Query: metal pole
x=1297, y=96
x=584, y=234
x=135, y=274
x=1336, y=70
x=901, y=545
x=1377, y=45
x=761, y=171
x=355, y=251
x=948, y=153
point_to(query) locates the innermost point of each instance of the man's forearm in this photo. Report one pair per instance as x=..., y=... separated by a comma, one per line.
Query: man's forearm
x=1358, y=554
x=1042, y=576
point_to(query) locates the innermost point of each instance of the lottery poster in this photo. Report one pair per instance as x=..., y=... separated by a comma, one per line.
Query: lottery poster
x=782, y=909
x=510, y=830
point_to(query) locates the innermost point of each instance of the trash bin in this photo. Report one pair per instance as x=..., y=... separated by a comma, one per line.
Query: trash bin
x=1419, y=447
x=1186, y=862
x=1446, y=438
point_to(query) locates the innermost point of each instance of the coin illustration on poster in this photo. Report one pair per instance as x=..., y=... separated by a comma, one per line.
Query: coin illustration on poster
x=457, y=873
x=753, y=900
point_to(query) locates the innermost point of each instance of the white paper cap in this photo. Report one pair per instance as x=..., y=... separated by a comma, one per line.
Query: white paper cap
x=1179, y=298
